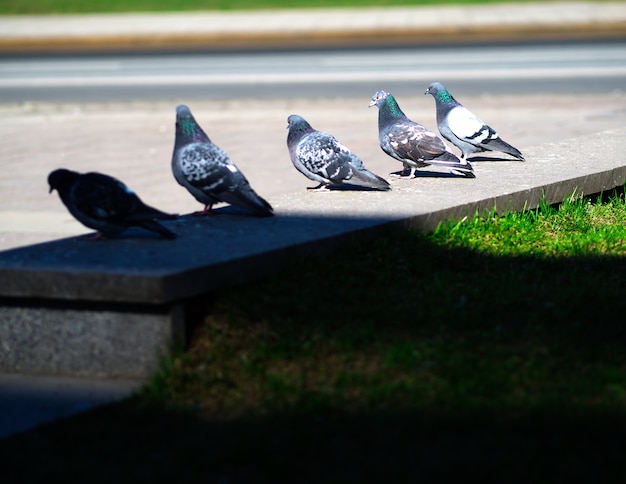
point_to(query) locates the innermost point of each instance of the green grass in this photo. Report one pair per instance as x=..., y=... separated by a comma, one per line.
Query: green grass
x=89, y=6
x=491, y=349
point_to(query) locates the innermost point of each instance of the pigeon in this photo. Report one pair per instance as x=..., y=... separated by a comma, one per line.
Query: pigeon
x=207, y=172
x=411, y=143
x=464, y=129
x=105, y=204
x=321, y=158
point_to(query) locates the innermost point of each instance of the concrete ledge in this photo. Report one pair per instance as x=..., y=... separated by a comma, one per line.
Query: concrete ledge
x=133, y=292
x=104, y=341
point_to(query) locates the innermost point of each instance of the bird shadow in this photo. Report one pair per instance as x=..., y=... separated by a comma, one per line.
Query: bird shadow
x=222, y=210
x=347, y=187
x=127, y=234
x=419, y=173
x=490, y=158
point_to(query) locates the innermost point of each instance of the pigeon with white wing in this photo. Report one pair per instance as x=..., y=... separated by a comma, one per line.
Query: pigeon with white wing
x=464, y=129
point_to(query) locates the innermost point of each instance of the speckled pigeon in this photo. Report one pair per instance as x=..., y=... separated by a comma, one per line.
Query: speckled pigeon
x=464, y=129
x=321, y=158
x=411, y=143
x=105, y=204
x=207, y=172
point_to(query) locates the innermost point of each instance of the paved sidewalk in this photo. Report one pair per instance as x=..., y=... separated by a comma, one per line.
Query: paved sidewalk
x=301, y=27
x=134, y=141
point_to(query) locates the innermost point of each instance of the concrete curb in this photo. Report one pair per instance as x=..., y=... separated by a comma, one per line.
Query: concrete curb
x=258, y=41
x=313, y=28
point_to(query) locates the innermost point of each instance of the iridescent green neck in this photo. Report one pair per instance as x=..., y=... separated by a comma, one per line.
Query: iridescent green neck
x=393, y=107
x=445, y=97
x=189, y=129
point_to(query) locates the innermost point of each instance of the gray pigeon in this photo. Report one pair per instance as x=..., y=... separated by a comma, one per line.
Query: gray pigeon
x=411, y=143
x=464, y=129
x=105, y=204
x=207, y=172
x=321, y=158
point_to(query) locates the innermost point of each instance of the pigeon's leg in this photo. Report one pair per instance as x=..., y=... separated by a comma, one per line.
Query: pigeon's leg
x=322, y=187
x=407, y=172
x=208, y=210
x=463, y=158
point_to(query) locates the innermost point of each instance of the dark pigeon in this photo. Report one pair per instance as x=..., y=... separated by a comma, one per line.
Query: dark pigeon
x=207, y=172
x=464, y=129
x=321, y=158
x=105, y=204
x=411, y=143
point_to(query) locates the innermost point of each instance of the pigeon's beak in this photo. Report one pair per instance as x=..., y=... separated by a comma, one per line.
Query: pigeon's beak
x=50, y=191
x=372, y=103
x=427, y=91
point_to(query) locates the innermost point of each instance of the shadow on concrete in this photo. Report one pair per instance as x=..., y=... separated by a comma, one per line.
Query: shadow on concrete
x=209, y=252
x=426, y=173
x=558, y=318
x=496, y=157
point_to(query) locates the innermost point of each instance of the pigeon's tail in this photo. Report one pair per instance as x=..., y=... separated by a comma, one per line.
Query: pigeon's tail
x=248, y=199
x=154, y=226
x=367, y=179
x=450, y=160
x=500, y=145
x=147, y=218
x=514, y=152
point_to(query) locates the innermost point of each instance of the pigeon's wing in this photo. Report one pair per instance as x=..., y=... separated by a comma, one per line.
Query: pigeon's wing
x=412, y=141
x=106, y=198
x=322, y=155
x=471, y=129
x=357, y=162
x=208, y=168
x=468, y=127
x=101, y=197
